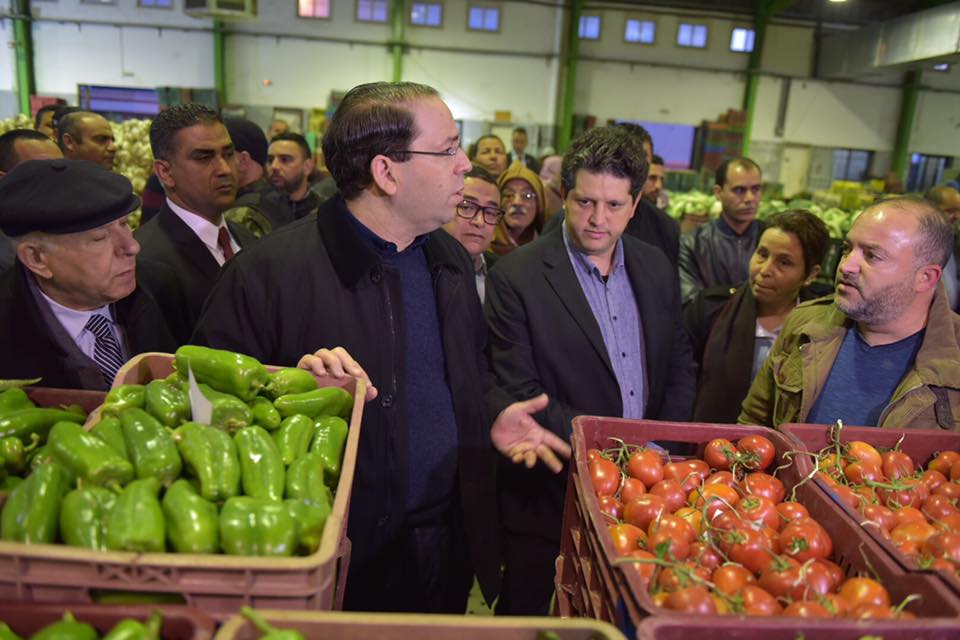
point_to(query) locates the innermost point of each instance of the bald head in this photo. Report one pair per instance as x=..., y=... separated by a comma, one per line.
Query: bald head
x=87, y=136
x=947, y=199
x=933, y=235
x=20, y=145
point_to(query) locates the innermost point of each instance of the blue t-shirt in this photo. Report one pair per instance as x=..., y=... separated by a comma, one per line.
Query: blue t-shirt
x=863, y=379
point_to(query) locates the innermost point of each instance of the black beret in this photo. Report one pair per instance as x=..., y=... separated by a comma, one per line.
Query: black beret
x=247, y=136
x=62, y=196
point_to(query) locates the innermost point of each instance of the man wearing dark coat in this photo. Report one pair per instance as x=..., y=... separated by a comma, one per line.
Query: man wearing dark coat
x=71, y=308
x=591, y=317
x=374, y=275
x=195, y=160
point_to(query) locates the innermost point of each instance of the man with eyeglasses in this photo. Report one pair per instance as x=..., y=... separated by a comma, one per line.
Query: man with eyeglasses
x=477, y=217
x=717, y=254
x=372, y=279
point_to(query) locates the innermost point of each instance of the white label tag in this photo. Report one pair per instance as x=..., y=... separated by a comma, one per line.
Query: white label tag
x=201, y=409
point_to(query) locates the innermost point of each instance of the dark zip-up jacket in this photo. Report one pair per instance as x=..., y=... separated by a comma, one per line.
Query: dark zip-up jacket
x=316, y=283
x=713, y=255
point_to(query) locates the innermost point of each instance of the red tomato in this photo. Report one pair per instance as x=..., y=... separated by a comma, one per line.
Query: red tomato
x=834, y=571
x=693, y=517
x=836, y=605
x=747, y=547
x=645, y=466
x=716, y=498
x=681, y=472
x=943, y=545
x=668, y=543
x=643, y=510
x=913, y=495
x=807, y=609
x=720, y=454
x=805, y=539
x=704, y=555
x=593, y=454
x=949, y=489
x=678, y=576
x=908, y=514
x=790, y=511
x=610, y=507
x=695, y=599
x=644, y=569
x=859, y=472
x=879, y=514
x=870, y=612
x=950, y=523
x=631, y=489
x=731, y=578
x=763, y=484
x=943, y=462
x=627, y=538
x=760, y=452
x=955, y=471
x=674, y=497
x=721, y=477
x=757, y=602
x=676, y=526
x=845, y=495
x=932, y=479
x=759, y=511
x=780, y=576
x=865, y=493
x=605, y=476
x=896, y=465
x=936, y=507
x=864, y=452
x=699, y=467
x=864, y=591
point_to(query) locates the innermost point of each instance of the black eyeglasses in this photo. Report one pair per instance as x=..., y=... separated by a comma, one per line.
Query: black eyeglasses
x=468, y=210
x=452, y=151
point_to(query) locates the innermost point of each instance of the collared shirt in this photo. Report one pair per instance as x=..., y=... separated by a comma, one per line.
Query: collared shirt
x=481, y=275
x=762, y=342
x=206, y=231
x=614, y=306
x=75, y=324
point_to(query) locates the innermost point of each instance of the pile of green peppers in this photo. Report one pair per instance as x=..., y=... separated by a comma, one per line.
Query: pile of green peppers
x=257, y=481
x=24, y=428
x=69, y=628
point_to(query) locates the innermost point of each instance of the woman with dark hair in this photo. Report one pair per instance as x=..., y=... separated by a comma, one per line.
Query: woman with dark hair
x=732, y=329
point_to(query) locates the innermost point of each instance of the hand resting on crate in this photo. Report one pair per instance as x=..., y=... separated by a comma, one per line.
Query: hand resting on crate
x=337, y=363
x=518, y=436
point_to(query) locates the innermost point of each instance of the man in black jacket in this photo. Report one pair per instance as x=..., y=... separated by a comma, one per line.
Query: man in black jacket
x=71, y=308
x=195, y=160
x=591, y=317
x=374, y=274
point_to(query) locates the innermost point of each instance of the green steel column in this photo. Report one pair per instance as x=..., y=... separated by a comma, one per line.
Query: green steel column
x=908, y=110
x=23, y=41
x=219, y=57
x=398, y=21
x=569, y=81
x=763, y=10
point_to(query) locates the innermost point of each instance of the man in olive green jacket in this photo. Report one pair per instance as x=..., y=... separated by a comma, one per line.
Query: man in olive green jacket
x=885, y=349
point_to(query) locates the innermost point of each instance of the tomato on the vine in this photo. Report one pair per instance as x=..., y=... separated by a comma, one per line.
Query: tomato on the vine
x=864, y=452
x=674, y=497
x=610, y=507
x=759, y=511
x=790, y=511
x=746, y=546
x=760, y=452
x=720, y=454
x=627, y=538
x=763, y=484
x=864, y=591
x=645, y=466
x=730, y=578
x=605, y=476
x=805, y=539
x=943, y=462
x=896, y=465
x=756, y=601
x=643, y=510
x=632, y=488
x=807, y=609
x=695, y=599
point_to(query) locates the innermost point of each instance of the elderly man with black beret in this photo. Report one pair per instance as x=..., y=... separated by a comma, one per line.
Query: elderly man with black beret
x=71, y=310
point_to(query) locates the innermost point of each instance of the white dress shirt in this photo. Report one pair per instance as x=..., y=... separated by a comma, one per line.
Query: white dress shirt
x=75, y=324
x=206, y=231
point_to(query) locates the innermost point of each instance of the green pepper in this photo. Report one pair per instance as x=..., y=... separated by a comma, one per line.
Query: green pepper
x=210, y=456
x=261, y=468
x=309, y=518
x=306, y=478
x=25, y=423
x=83, y=517
x=192, y=522
x=66, y=629
x=167, y=403
x=256, y=527
x=293, y=437
x=227, y=412
x=86, y=456
x=130, y=629
x=6, y=633
x=329, y=440
x=225, y=371
x=136, y=522
x=265, y=414
x=109, y=430
x=14, y=399
x=10, y=483
x=14, y=453
x=124, y=397
x=269, y=631
x=328, y=401
x=289, y=380
x=151, y=446
x=32, y=509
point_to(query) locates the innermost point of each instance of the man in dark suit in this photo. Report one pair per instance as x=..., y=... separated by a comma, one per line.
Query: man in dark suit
x=72, y=309
x=591, y=317
x=373, y=277
x=519, y=142
x=195, y=161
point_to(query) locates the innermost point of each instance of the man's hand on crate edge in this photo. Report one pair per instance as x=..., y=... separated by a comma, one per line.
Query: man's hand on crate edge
x=519, y=437
x=337, y=363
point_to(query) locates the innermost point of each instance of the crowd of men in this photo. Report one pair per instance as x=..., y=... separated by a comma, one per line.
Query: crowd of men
x=392, y=279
